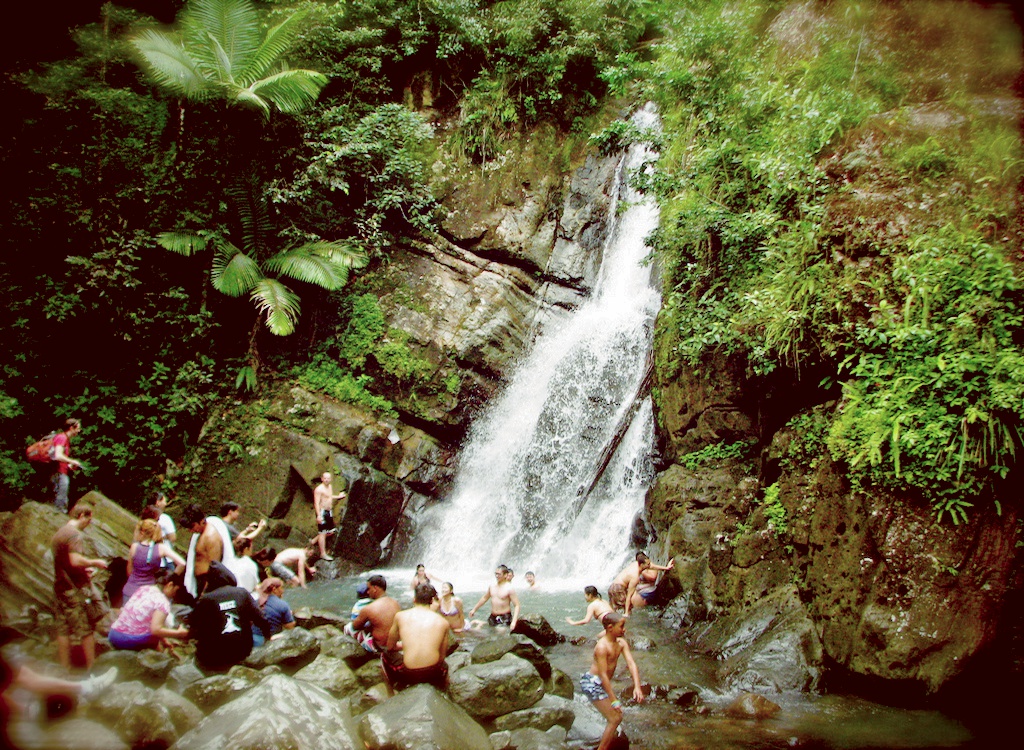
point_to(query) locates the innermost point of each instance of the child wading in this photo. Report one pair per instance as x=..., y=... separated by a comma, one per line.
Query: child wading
x=597, y=683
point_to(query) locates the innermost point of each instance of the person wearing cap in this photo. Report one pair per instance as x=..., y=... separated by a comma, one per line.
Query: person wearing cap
x=373, y=623
x=222, y=622
x=362, y=599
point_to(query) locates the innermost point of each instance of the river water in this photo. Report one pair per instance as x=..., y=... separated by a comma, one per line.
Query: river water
x=806, y=721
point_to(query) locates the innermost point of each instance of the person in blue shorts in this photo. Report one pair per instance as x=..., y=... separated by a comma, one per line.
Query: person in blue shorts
x=597, y=683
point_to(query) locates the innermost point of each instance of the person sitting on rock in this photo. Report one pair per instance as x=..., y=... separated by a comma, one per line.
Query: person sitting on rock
x=274, y=608
x=143, y=620
x=222, y=622
x=373, y=623
x=423, y=635
x=596, y=607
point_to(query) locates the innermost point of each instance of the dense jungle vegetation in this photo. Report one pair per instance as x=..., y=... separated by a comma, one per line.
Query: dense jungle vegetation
x=177, y=241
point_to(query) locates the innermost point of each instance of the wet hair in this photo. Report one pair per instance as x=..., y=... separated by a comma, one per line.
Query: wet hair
x=379, y=581
x=228, y=507
x=641, y=557
x=219, y=576
x=192, y=515
x=425, y=594
x=449, y=585
x=150, y=529
x=150, y=511
x=80, y=509
x=592, y=591
x=504, y=569
x=241, y=544
x=421, y=565
x=531, y=573
x=163, y=576
x=267, y=553
x=610, y=618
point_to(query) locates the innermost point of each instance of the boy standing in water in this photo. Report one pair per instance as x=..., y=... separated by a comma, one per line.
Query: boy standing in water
x=597, y=683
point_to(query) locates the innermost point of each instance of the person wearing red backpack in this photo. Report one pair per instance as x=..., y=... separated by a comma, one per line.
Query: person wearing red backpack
x=61, y=478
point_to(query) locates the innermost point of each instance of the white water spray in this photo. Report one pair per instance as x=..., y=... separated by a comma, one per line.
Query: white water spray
x=523, y=493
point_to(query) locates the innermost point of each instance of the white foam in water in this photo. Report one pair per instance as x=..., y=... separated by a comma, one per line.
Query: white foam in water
x=536, y=448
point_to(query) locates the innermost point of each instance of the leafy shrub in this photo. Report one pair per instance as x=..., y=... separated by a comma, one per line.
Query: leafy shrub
x=714, y=453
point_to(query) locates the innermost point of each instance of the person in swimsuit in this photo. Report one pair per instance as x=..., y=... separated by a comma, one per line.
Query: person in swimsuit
x=620, y=593
x=503, y=599
x=596, y=607
x=449, y=607
x=323, y=509
x=597, y=683
x=423, y=635
x=373, y=623
x=646, y=588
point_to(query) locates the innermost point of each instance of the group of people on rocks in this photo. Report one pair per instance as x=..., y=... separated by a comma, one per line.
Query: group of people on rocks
x=233, y=610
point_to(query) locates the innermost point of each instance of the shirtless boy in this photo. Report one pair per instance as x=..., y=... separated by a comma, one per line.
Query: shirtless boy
x=323, y=504
x=620, y=593
x=424, y=637
x=503, y=599
x=596, y=607
x=597, y=683
x=373, y=623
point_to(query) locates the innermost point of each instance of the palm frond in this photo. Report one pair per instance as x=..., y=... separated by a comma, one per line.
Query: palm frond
x=169, y=65
x=221, y=71
x=269, y=53
x=344, y=252
x=253, y=214
x=248, y=98
x=290, y=90
x=183, y=243
x=234, y=24
x=306, y=264
x=233, y=272
x=279, y=303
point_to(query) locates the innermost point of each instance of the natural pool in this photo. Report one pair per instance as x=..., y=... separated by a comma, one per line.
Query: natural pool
x=806, y=721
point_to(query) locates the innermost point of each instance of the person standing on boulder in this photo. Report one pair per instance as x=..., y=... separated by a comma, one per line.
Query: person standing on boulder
x=423, y=634
x=61, y=478
x=597, y=683
x=71, y=584
x=323, y=503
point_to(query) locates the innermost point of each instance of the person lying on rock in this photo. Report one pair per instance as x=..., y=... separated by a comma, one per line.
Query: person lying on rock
x=596, y=607
x=597, y=683
x=374, y=621
x=423, y=635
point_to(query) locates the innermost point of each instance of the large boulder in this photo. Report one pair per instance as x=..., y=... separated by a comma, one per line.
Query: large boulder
x=291, y=650
x=210, y=693
x=538, y=630
x=148, y=666
x=497, y=687
x=280, y=712
x=548, y=712
x=497, y=646
x=420, y=718
x=331, y=674
x=142, y=716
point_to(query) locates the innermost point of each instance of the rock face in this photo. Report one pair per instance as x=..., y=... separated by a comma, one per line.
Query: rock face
x=420, y=718
x=868, y=586
x=497, y=687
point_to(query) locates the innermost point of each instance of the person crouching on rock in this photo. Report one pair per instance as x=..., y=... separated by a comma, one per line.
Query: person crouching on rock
x=423, y=635
x=222, y=622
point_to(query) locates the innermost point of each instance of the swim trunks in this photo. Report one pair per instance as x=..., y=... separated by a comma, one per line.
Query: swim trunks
x=326, y=521
x=647, y=593
x=365, y=638
x=502, y=619
x=402, y=677
x=592, y=687
x=617, y=596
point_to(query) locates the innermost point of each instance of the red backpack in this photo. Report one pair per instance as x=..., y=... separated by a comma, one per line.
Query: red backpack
x=43, y=451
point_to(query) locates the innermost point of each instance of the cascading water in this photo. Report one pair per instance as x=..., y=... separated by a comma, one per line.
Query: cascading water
x=524, y=493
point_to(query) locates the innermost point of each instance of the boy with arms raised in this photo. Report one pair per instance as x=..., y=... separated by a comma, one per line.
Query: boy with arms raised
x=597, y=683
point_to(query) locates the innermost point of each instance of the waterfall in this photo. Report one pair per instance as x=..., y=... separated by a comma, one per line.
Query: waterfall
x=525, y=493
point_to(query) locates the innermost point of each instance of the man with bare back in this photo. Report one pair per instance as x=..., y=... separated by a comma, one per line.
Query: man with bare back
x=503, y=599
x=323, y=504
x=597, y=683
x=423, y=635
x=620, y=593
x=373, y=623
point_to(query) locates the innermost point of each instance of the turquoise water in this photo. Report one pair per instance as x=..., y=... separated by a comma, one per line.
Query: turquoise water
x=845, y=723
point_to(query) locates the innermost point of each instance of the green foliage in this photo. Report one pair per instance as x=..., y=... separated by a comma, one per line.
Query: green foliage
x=325, y=375
x=367, y=179
x=936, y=389
x=771, y=141
x=713, y=453
x=774, y=510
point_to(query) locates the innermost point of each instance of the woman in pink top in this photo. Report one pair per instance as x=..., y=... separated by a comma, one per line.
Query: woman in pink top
x=143, y=619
